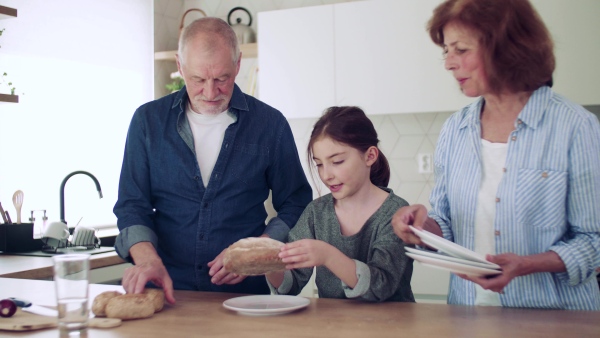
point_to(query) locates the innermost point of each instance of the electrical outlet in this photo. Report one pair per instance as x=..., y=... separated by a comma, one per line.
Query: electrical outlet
x=425, y=162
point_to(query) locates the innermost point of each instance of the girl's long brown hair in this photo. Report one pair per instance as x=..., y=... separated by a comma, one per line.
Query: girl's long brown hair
x=350, y=126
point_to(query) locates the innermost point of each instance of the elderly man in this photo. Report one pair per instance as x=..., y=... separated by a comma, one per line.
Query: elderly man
x=198, y=166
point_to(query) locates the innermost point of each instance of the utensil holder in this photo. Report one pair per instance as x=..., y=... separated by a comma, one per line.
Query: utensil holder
x=18, y=238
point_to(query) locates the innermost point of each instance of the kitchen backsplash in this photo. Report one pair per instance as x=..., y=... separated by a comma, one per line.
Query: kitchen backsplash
x=402, y=136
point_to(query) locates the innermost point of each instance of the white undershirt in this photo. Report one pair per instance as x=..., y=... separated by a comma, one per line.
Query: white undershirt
x=208, y=131
x=493, y=157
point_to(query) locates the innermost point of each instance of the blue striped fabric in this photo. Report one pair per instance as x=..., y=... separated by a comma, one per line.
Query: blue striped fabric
x=549, y=199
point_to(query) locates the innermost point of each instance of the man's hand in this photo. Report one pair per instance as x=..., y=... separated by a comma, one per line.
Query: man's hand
x=148, y=268
x=219, y=274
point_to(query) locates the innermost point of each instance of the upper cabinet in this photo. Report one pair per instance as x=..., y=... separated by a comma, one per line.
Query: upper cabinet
x=296, y=64
x=7, y=12
x=378, y=55
x=372, y=54
x=385, y=61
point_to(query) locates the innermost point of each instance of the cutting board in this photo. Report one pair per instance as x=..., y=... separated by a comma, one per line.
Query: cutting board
x=25, y=321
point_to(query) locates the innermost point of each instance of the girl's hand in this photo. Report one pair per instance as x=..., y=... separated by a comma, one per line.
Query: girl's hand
x=414, y=215
x=305, y=253
x=511, y=267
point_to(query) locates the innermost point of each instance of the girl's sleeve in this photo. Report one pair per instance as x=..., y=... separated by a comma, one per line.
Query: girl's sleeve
x=387, y=270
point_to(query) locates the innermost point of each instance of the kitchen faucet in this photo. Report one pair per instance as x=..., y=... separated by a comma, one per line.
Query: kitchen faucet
x=62, y=191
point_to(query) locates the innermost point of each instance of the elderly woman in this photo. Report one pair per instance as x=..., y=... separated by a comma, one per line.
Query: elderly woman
x=518, y=170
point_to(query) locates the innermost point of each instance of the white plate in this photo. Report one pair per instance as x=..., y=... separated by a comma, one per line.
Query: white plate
x=453, y=267
x=266, y=305
x=448, y=247
x=432, y=254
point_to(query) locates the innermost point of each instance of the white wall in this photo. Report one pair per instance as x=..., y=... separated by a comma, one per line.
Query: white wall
x=81, y=68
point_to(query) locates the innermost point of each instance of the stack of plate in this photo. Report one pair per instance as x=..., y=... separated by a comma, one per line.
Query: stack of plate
x=452, y=257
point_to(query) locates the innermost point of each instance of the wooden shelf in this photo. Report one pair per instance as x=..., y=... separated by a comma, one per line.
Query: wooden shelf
x=7, y=12
x=9, y=98
x=249, y=50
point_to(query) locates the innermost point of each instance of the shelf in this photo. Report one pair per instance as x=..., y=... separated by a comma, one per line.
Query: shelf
x=7, y=12
x=9, y=98
x=249, y=50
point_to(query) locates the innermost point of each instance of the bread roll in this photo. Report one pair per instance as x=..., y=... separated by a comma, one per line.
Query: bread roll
x=157, y=296
x=99, y=304
x=253, y=256
x=130, y=306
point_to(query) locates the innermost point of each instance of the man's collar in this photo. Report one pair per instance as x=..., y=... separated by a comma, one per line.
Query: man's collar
x=238, y=99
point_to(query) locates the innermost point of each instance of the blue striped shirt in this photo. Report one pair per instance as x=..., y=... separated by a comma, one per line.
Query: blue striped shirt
x=548, y=199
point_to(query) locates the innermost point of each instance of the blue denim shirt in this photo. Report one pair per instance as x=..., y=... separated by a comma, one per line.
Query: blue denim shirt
x=162, y=198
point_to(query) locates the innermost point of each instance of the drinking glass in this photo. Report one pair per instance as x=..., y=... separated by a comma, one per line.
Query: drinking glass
x=71, y=279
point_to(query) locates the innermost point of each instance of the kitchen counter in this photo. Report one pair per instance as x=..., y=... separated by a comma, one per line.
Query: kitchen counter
x=202, y=314
x=31, y=267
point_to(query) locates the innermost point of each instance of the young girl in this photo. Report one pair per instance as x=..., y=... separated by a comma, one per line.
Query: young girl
x=347, y=234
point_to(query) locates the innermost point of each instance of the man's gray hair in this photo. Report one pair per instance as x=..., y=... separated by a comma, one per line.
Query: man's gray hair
x=213, y=26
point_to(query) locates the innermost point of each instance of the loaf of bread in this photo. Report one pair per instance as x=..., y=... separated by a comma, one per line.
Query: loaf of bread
x=253, y=256
x=114, y=304
x=99, y=304
x=130, y=306
x=157, y=296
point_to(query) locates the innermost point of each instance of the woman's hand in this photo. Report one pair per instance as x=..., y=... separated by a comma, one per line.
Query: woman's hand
x=305, y=253
x=514, y=266
x=511, y=265
x=415, y=215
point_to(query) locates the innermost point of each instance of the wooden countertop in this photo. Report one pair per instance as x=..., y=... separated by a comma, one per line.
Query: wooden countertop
x=202, y=313
x=31, y=267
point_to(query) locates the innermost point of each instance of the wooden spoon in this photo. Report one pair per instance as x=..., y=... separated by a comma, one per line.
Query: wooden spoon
x=18, y=202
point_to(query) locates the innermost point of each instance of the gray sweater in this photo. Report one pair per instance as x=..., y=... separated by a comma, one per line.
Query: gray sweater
x=382, y=268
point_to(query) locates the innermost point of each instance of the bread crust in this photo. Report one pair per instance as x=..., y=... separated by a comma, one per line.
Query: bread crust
x=99, y=304
x=254, y=256
x=114, y=304
x=157, y=297
x=130, y=306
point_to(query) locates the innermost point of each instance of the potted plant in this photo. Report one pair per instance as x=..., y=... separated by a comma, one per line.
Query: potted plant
x=177, y=83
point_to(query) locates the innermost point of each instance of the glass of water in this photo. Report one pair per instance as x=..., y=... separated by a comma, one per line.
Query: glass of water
x=71, y=280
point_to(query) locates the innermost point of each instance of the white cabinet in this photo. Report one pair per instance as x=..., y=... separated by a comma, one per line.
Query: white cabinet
x=374, y=54
x=296, y=60
x=385, y=61
x=378, y=55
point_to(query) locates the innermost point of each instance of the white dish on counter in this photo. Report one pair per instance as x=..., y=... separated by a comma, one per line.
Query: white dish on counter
x=266, y=305
x=459, y=268
x=442, y=256
x=448, y=247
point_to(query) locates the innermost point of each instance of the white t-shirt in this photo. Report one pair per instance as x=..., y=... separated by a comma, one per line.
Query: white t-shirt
x=208, y=131
x=493, y=158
